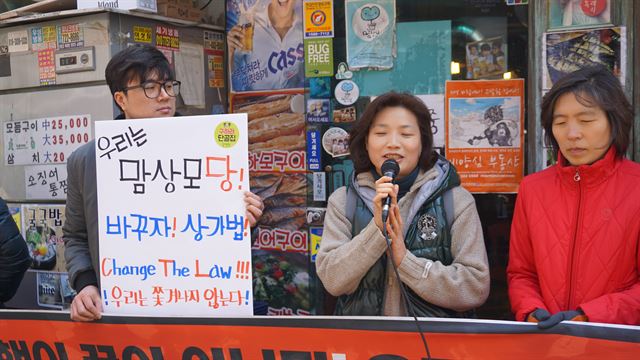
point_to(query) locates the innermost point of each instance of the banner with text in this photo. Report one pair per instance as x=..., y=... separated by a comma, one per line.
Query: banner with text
x=29, y=335
x=174, y=239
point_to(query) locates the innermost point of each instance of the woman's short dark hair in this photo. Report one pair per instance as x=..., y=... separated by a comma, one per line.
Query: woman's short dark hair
x=592, y=86
x=136, y=61
x=360, y=130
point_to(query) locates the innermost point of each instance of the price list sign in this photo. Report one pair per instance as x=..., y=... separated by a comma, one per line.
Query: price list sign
x=44, y=141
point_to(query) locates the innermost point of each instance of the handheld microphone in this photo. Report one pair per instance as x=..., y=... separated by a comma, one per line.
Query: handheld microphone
x=391, y=169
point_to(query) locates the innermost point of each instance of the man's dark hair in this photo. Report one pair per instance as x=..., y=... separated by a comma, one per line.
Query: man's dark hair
x=360, y=130
x=137, y=61
x=592, y=86
x=485, y=47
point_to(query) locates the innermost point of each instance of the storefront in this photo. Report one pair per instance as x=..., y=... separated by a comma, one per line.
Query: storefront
x=497, y=54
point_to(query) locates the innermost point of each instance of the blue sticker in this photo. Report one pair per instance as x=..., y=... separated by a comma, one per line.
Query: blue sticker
x=313, y=150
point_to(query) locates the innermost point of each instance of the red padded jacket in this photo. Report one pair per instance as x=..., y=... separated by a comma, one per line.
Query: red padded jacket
x=575, y=241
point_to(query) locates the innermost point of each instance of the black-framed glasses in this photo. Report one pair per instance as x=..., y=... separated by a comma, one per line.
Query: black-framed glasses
x=152, y=88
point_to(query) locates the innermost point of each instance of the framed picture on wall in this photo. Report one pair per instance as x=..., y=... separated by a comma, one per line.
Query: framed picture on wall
x=575, y=14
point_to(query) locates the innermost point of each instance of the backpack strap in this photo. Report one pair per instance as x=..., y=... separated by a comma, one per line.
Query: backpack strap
x=447, y=198
x=350, y=204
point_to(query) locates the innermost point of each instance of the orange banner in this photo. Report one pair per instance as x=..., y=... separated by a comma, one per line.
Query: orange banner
x=50, y=335
x=485, y=133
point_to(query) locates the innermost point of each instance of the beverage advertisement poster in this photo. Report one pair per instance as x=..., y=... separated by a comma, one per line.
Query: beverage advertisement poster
x=266, y=49
x=485, y=133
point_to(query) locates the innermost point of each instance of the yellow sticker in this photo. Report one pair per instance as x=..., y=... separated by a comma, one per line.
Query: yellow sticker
x=142, y=34
x=227, y=134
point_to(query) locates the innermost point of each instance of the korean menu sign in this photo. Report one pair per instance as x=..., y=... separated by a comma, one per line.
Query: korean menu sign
x=46, y=140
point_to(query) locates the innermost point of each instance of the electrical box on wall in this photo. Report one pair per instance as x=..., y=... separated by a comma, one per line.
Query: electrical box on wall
x=75, y=60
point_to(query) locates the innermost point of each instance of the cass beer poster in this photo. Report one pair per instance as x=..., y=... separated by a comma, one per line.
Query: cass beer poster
x=174, y=239
x=485, y=139
x=266, y=51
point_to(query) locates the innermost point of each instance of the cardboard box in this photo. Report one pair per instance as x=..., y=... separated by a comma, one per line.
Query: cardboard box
x=139, y=5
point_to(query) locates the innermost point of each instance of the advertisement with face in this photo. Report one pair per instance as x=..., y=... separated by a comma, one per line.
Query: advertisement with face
x=264, y=39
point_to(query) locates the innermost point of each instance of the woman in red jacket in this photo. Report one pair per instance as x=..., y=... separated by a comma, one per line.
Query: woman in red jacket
x=574, y=249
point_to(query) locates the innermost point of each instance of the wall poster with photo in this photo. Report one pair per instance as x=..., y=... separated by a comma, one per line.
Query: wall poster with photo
x=566, y=52
x=486, y=58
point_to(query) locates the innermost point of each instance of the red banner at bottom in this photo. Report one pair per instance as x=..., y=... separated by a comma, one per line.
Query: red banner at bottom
x=49, y=335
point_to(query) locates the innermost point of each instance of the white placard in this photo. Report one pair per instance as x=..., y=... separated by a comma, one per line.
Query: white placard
x=174, y=239
x=18, y=41
x=46, y=182
x=44, y=141
x=319, y=186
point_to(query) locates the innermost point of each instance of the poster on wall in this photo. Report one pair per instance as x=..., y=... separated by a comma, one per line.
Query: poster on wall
x=276, y=130
x=70, y=36
x=54, y=290
x=281, y=248
x=265, y=47
x=370, y=33
x=42, y=230
x=45, y=37
x=44, y=141
x=423, y=64
x=318, y=55
x=486, y=58
x=318, y=19
x=18, y=41
x=214, y=50
x=566, y=52
x=566, y=14
x=435, y=104
x=196, y=253
x=47, y=67
x=46, y=182
x=485, y=133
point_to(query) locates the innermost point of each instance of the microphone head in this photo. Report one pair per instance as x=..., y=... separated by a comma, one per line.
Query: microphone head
x=390, y=168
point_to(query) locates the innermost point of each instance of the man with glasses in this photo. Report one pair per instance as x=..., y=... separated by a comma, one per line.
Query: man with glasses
x=143, y=85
